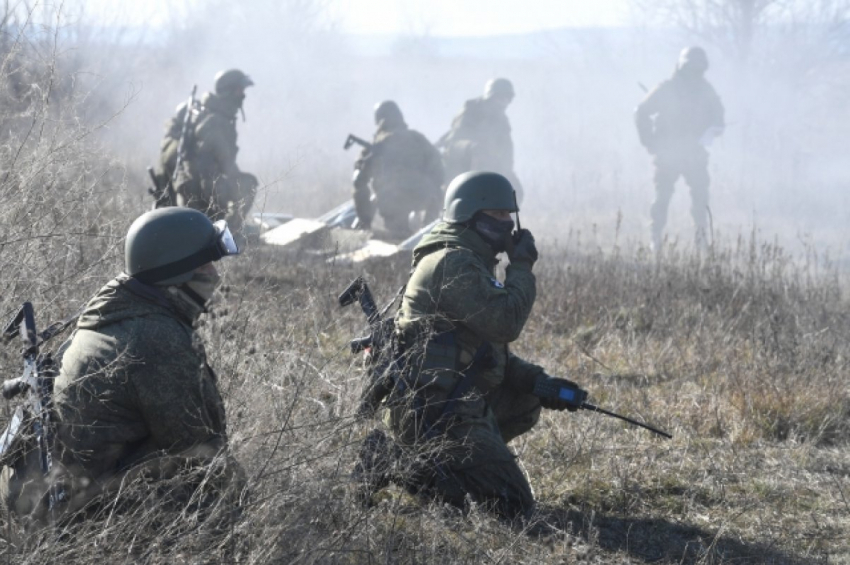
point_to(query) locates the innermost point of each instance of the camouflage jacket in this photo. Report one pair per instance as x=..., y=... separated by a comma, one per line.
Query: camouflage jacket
x=678, y=112
x=482, y=128
x=453, y=288
x=215, y=149
x=403, y=165
x=134, y=385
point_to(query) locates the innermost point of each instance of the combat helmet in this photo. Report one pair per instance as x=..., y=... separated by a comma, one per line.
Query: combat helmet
x=230, y=81
x=389, y=112
x=499, y=88
x=474, y=191
x=693, y=58
x=164, y=246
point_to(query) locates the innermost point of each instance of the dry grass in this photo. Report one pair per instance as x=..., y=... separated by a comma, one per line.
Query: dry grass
x=741, y=354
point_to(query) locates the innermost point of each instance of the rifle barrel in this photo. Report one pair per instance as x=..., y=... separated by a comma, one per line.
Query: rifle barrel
x=588, y=406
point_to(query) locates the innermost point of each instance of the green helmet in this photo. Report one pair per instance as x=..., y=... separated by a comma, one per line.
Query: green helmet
x=693, y=58
x=227, y=82
x=499, y=88
x=388, y=111
x=164, y=246
x=474, y=191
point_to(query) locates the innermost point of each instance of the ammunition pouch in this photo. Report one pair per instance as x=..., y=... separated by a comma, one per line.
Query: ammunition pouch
x=437, y=371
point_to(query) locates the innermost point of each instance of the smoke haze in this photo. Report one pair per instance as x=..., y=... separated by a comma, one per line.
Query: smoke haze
x=780, y=168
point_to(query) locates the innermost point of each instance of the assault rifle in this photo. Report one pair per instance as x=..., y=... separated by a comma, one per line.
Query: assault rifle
x=165, y=195
x=352, y=139
x=377, y=345
x=37, y=384
x=576, y=397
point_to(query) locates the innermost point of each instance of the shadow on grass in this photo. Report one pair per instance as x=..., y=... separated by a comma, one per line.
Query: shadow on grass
x=655, y=540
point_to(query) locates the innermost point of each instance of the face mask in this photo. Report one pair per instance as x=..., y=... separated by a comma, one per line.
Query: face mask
x=204, y=285
x=495, y=232
x=193, y=296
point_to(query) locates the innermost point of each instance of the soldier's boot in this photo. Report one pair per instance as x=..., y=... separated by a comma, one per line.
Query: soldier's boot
x=374, y=465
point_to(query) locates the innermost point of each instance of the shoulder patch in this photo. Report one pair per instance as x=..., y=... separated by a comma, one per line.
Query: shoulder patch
x=496, y=283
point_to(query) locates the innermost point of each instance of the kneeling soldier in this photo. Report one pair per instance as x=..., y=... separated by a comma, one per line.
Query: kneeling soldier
x=460, y=395
x=135, y=397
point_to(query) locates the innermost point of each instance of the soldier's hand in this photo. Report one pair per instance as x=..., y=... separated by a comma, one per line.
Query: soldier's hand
x=558, y=394
x=523, y=249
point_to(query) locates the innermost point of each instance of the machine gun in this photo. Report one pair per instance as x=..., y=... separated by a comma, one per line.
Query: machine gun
x=576, y=397
x=34, y=413
x=378, y=345
x=352, y=139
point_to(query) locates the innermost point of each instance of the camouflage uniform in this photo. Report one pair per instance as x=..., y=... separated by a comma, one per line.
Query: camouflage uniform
x=135, y=398
x=480, y=140
x=453, y=292
x=209, y=179
x=406, y=174
x=672, y=122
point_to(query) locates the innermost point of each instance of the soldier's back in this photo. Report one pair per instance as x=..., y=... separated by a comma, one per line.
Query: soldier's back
x=686, y=109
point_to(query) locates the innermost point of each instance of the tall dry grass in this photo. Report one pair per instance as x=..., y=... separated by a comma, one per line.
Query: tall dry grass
x=741, y=353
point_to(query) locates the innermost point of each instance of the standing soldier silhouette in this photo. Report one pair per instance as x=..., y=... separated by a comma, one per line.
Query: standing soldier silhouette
x=676, y=122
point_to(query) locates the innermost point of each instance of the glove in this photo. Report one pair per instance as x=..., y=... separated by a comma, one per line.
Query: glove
x=558, y=394
x=523, y=249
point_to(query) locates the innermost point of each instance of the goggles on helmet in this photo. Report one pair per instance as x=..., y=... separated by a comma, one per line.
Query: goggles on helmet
x=222, y=246
x=225, y=242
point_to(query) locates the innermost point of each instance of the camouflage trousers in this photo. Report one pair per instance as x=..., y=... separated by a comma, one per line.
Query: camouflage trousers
x=692, y=165
x=396, y=209
x=470, y=456
x=223, y=198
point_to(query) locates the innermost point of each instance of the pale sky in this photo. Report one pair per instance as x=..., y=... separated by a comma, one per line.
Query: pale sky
x=474, y=17
x=434, y=17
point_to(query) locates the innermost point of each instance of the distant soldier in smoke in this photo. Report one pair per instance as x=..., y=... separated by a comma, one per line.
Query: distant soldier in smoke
x=209, y=179
x=403, y=170
x=480, y=136
x=676, y=122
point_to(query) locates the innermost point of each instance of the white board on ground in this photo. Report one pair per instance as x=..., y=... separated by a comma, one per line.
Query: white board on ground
x=374, y=249
x=293, y=232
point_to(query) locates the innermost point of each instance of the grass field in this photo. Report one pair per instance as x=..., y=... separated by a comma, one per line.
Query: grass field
x=742, y=355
